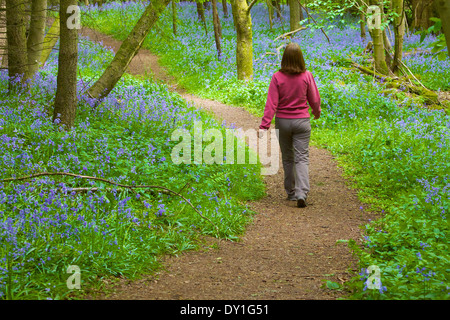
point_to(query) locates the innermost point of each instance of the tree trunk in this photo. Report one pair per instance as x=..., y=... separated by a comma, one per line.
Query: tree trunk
x=244, y=41
x=127, y=50
x=17, y=42
x=174, y=17
x=225, y=8
x=422, y=11
x=443, y=7
x=50, y=40
x=294, y=14
x=362, y=26
x=270, y=11
x=217, y=29
x=399, y=31
x=66, y=91
x=36, y=36
x=276, y=5
x=378, y=46
x=201, y=15
x=216, y=20
x=3, y=40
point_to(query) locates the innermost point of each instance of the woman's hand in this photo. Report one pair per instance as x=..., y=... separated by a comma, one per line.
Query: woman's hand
x=261, y=132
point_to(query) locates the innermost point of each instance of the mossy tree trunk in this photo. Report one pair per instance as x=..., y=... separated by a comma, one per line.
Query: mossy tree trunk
x=294, y=14
x=378, y=45
x=66, y=92
x=244, y=41
x=127, y=50
x=443, y=7
x=399, y=31
x=270, y=10
x=36, y=36
x=201, y=15
x=17, y=41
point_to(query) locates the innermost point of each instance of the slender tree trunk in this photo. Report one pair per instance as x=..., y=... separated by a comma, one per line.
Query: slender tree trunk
x=362, y=25
x=270, y=11
x=50, y=40
x=201, y=15
x=225, y=8
x=443, y=7
x=422, y=12
x=36, y=36
x=216, y=19
x=3, y=41
x=276, y=5
x=378, y=47
x=17, y=42
x=127, y=50
x=386, y=41
x=399, y=31
x=174, y=17
x=244, y=41
x=294, y=14
x=66, y=91
x=217, y=29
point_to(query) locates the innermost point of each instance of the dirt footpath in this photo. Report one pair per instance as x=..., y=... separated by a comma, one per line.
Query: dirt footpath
x=286, y=252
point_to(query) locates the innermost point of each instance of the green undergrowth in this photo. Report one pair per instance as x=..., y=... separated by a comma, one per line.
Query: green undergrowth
x=111, y=232
x=394, y=151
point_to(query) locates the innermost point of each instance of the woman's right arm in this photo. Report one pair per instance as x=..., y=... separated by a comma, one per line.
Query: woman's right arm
x=313, y=97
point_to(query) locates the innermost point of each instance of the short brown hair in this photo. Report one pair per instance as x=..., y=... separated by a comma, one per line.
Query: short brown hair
x=292, y=61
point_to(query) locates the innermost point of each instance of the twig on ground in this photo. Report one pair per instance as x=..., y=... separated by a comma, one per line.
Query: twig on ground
x=131, y=188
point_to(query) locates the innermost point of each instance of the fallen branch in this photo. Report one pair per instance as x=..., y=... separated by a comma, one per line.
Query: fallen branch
x=162, y=189
x=289, y=33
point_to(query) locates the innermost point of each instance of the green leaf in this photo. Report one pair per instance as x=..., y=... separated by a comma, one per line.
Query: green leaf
x=332, y=285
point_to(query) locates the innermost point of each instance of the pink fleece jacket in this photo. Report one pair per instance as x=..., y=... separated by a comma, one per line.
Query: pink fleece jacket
x=289, y=96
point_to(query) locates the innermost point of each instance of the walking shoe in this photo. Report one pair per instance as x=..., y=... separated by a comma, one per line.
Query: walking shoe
x=301, y=203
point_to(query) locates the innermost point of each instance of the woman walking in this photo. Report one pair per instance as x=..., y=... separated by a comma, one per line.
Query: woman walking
x=290, y=91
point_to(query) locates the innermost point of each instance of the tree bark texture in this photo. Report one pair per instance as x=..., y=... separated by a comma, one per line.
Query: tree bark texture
x=36, y=36
x=294, y=14
x=66, y=91
x=217, y=29
x=201, y=15
x=244, y=41
x=16, y=37
x=443, y=7
x=174, y=17
x=225, y=9
x=378, y=46
x=399, y=31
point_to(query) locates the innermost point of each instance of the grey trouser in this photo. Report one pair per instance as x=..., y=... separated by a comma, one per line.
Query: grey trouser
x=294, y=135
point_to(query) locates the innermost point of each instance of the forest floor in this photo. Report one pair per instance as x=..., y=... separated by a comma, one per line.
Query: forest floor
x=286, y=252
